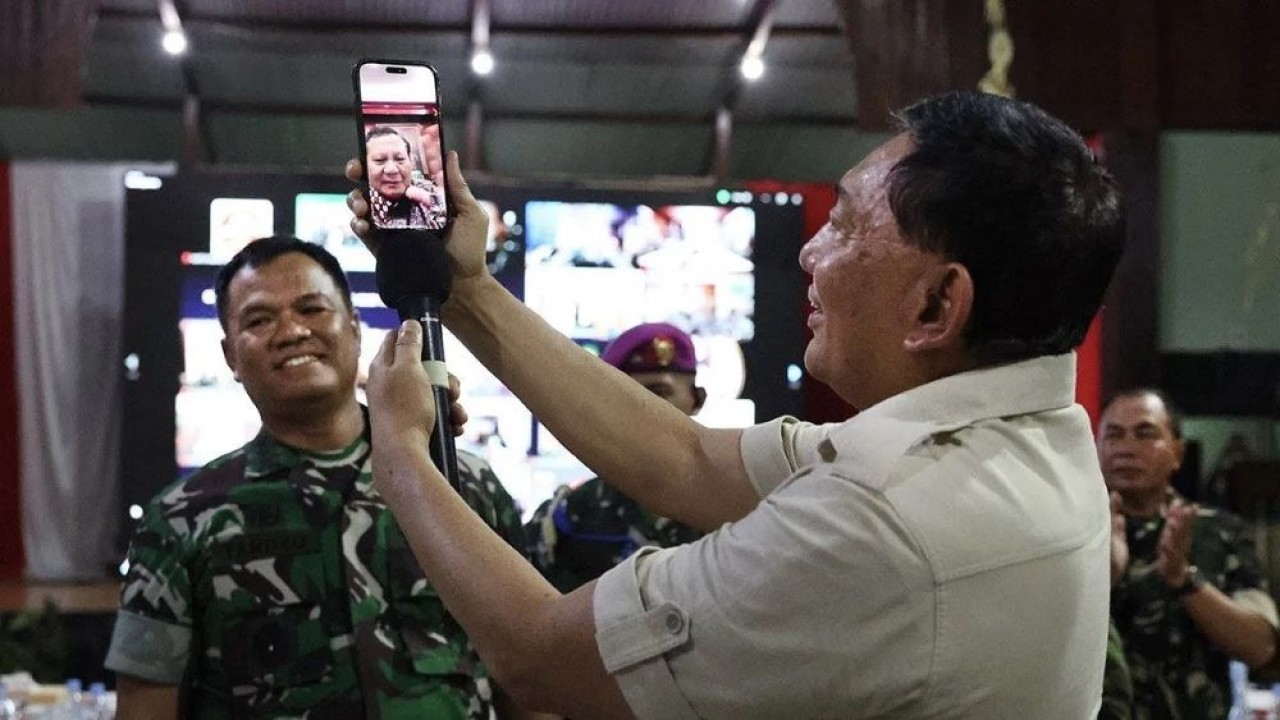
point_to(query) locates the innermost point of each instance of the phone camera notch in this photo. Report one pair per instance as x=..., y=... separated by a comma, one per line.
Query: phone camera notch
x=397, y=70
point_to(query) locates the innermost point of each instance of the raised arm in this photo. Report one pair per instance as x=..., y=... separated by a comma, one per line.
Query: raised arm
x=639, y=443
x=539, y=645
x=1238, y=631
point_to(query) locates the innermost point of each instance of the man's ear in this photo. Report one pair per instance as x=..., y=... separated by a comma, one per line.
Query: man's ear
x=355, y=323
x=699, y=398
x=943, y=302
x=229, y=356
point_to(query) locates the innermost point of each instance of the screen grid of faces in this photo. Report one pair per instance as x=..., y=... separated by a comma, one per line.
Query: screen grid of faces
x=591, y=269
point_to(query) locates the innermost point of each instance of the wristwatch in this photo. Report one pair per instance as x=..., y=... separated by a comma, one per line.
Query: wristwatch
x=1195, y=580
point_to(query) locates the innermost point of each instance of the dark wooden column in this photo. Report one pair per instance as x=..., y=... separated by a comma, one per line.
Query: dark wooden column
x=1218, y=64
x=12, y=553
x=904, y=50
x=1092, y=63
x=1095, y=63
x=41, y=47
x=1130, y=321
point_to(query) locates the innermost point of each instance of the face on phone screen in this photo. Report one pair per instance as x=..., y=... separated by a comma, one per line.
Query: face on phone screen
x=403, y=160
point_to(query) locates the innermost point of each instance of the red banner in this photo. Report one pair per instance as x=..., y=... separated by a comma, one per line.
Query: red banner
x=11, y=551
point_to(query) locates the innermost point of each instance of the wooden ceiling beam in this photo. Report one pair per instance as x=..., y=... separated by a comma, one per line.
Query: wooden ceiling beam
x=212, y=107
x=606, y=31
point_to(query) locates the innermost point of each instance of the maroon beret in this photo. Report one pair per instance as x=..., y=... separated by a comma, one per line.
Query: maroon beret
x=652, y=347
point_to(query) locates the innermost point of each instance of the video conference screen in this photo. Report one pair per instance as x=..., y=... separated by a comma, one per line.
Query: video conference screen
x=591, y=263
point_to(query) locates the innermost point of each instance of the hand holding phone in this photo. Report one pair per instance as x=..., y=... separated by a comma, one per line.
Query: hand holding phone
x=398, y=108
x=401, y=144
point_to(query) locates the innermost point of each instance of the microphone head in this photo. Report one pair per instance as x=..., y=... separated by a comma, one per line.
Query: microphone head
x=412, y=264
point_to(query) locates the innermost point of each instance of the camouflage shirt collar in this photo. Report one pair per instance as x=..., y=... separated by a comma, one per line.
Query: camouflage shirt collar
x=265, y=455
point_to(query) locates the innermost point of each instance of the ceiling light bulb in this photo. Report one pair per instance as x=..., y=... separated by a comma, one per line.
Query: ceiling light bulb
x=174, y=42
x=752, y=67
x=482, y=62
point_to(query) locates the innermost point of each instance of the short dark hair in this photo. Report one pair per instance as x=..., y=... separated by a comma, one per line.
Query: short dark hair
x=264, y=250
x=380, y=130
x=1015, y=196
x=1170, y=407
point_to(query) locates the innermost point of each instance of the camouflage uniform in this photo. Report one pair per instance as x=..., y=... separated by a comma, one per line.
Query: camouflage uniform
x=1177, y=673
x=278, y=584
x=580, y=533
x=1117, y=685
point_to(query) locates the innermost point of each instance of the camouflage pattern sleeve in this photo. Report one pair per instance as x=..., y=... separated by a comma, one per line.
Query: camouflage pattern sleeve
x=1117, y=685
x=1241, y=567
x=484, y=492
x=1177, y=674
x=582, y=532
x=540, y=531
x=542, y=539
x=1243, y=578
x=153, y=631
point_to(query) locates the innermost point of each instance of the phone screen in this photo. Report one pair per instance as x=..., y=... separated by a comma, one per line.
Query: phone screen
x=402, y=145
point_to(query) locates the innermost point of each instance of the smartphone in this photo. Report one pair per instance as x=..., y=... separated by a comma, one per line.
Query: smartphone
x=401, y=144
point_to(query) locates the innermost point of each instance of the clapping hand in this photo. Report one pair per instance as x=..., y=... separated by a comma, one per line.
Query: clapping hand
x=1119, y=542
x=1173, y=552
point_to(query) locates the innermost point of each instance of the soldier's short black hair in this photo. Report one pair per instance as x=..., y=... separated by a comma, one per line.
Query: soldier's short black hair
x=264, y=250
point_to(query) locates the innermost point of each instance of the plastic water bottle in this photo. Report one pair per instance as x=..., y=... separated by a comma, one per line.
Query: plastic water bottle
x=8, y=709
x=72, y=708
x=95, y=703
x=1239, y=674
x=1261, y=704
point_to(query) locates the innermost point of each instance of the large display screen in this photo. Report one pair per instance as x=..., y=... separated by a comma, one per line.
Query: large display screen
x=324, y=219
x=596, y=269
x=592, y=264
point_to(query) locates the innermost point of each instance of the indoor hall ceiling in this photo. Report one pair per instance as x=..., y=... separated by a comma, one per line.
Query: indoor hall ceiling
x=580, y=87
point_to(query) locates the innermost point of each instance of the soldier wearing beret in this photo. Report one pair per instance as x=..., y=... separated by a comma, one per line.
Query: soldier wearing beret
x=584, y=531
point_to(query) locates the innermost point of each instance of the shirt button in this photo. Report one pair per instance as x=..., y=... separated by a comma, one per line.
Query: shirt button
x=675, y=622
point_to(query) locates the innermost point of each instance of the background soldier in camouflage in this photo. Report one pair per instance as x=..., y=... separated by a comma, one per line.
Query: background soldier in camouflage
x=581, y=532
x=1187, y=592
x=1117, y=683
x=274, y=582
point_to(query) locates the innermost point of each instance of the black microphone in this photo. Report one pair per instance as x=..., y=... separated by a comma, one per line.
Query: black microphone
x=413, y=277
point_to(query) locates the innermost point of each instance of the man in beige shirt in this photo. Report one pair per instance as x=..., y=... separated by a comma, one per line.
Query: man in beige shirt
x=943, y=554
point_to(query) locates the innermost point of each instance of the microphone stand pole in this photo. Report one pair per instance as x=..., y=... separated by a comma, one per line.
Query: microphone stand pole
x=427, y=312
x=413, y=277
